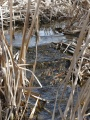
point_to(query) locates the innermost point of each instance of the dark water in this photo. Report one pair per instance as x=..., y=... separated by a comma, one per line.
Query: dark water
x=50, y=63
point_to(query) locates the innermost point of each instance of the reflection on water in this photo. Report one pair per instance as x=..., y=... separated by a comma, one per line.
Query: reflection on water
x=47, y=35
x=45, y=38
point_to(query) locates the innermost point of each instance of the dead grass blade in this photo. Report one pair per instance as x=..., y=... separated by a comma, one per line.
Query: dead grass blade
x=32, y=24
x=79, y=114
x=33, y=110
x=1, y=17
x=32, y=74
x=61, y=113
x=74, y=62
x=10, y=3
x=24, y=32
x=53, y=115
x=0, y=111
x=86, y=102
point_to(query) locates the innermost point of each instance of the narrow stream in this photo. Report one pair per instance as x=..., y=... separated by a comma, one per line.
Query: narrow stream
x=50, y=63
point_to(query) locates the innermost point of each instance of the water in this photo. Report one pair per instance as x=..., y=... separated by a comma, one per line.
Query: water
x=45, y=38
x=47, y=35
x=46, y=73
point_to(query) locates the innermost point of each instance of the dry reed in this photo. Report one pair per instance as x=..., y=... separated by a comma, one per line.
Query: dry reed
x=16, y=89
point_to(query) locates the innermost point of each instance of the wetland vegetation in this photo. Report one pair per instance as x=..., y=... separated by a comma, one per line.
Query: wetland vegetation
x=44, y=60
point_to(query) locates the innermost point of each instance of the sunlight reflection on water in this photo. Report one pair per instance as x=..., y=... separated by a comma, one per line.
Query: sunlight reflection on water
x=46, y=36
